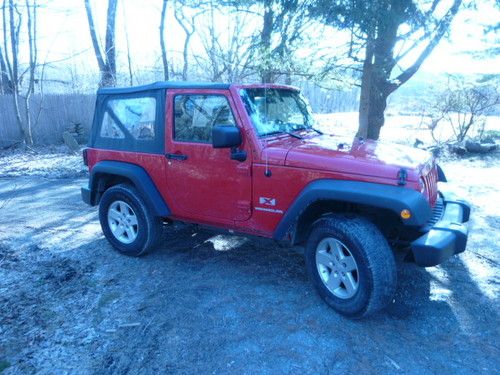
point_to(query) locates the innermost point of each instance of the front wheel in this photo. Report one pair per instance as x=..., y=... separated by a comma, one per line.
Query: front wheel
x=351, y=265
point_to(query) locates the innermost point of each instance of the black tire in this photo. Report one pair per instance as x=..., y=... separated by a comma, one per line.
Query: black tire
x=376, y=269
x=149, y=227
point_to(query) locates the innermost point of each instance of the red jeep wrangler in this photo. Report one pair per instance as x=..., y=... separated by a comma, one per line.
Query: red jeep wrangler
x=247, y=158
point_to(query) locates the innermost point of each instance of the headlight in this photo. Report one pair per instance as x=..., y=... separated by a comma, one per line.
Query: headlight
x=422, y=185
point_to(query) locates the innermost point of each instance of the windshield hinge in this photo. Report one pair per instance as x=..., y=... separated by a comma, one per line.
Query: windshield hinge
x=402, y=175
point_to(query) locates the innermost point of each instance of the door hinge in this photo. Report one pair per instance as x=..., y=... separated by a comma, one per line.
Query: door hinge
x=244, y=206
x=244, y=170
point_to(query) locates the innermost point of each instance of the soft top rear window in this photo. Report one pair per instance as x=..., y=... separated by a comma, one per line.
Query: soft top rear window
x=130, y=123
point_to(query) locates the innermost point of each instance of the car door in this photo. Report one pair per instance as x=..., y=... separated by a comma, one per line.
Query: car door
x=205, y=183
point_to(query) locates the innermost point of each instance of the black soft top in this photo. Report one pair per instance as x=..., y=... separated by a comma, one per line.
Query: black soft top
x=163, y=85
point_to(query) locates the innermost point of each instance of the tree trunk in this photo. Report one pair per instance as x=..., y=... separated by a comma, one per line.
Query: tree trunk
x=31, y=23
x=365, y=96
x=129, y=55
x=93, y=36
x=376, y=119
x=13, y=30
x=107, y=65
x=6, y=86
x=188, y=25
x=129, y=60
x=108, y=77
x=266, y=74
x=162, y=40
x=376, y=82
x=185, y=57
x=372, y=102
x=14, y=45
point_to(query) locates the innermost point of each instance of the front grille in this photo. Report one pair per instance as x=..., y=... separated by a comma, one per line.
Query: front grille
x=431, y=187
x=437, y=212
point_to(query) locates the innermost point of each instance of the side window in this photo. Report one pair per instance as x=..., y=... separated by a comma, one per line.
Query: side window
x=195, y=115
x=109, y=128
x=135, y=116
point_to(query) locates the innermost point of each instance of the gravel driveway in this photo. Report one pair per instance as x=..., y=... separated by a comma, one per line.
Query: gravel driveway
x=209, y=303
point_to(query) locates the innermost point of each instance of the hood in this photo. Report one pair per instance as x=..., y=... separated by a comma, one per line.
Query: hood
x=354, y=156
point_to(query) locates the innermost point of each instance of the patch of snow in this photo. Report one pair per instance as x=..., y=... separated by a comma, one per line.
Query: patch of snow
x=225, y=242
x=49, y=162
x=402, y=129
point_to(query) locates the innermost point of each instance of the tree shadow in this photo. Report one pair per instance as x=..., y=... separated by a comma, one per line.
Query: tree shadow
x=476, y=311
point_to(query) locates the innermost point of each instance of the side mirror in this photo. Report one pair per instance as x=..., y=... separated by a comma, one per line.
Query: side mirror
x=225, y=136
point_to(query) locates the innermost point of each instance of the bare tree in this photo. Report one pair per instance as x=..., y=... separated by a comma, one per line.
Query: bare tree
x=162, y=39
x=283, y=24
x=268, y=50
x=31, y=11
x=106, y=59
x=186, y=17
x=462, y=107
x=129, y=56
x=227, y=52
x=12, y=16
x=11, y=27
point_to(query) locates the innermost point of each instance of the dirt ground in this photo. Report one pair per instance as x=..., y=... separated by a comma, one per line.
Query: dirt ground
x=212, y=303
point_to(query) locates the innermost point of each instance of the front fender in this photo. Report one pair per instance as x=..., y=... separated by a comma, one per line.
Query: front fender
x=393, y=198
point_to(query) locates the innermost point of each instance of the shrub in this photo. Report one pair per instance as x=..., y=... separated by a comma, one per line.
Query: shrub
x=463, y=107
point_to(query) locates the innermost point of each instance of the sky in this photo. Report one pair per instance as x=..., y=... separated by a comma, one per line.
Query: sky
x=467, y=35
x=63, y=32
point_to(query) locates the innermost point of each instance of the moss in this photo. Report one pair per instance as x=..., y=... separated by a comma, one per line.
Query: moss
x=4, y=365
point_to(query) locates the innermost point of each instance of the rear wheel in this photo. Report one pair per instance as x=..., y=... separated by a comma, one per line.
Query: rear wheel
x=127, y=222
x=351, y=265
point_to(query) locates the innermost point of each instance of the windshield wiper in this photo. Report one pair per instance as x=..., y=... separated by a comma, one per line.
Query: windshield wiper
x=312, y=128
x=316, y=130
x=283, y=132
x=293, y=135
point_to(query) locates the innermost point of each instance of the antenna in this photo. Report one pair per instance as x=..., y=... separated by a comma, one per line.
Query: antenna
x=267, y=172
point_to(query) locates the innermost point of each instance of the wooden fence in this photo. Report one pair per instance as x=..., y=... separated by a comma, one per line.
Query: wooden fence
x=56, y=113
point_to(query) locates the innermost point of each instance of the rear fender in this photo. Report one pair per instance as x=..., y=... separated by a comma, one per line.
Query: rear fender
x=136, y=175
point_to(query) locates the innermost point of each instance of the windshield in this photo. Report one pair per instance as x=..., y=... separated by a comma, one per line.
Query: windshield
x=274, y=111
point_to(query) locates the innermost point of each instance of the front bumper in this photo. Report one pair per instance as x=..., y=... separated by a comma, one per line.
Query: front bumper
x=444, y=236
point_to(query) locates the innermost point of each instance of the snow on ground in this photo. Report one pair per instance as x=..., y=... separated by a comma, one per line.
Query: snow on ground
x=403, y=129
x=477, y=180
x=49, y=162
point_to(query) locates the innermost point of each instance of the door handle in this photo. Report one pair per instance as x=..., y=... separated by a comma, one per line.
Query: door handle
x=176, y=156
